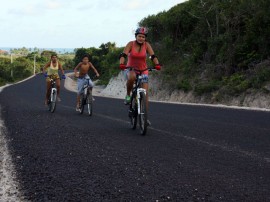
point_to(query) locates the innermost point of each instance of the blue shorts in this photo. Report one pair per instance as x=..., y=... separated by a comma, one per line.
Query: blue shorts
x=82, y=81
x=145, y=77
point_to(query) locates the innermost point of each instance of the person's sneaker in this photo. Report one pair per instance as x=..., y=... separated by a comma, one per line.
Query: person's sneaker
x=77, y=109
x=148, y=123
x=127, y=100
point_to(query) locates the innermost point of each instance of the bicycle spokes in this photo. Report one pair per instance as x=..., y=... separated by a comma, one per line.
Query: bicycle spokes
x=86, y=99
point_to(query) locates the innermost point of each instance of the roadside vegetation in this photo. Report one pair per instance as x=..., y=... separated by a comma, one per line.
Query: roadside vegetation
x=215, y=48
x=211, y=48
x=20, y=63
x=104, y=58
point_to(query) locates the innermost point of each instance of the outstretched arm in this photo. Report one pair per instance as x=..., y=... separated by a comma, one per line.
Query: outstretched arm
x=77, y=68
x=95, y=70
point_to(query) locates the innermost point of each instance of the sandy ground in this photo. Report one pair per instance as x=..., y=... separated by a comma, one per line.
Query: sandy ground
x=117, y=89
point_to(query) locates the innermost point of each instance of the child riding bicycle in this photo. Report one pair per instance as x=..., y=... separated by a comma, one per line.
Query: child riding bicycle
x=83, y=77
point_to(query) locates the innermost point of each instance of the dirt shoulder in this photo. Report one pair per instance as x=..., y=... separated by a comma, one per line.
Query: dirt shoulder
x=116, y=89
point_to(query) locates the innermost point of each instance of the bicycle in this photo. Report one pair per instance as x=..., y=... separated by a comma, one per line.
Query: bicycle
x=53, y=96
x=137, y=106
x=86, y=98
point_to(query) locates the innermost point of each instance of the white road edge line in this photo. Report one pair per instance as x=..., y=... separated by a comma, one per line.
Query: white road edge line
x=68, y=87
x=7, y=85
x=222, y=147
x=215, y=106
x=188, y=138
x=9, y=186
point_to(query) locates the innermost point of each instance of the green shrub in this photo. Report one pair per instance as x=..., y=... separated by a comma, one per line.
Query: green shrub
x=184, y=85
x=206, y=87
x=260, y=78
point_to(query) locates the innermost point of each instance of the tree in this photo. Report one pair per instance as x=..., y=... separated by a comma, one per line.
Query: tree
x=47, y=54
x=80, y=52
x=211, y=42
x=106, y=48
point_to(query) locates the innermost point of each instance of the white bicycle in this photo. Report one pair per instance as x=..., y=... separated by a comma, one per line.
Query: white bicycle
x=137, y=107
x=53, y=96
x=86, y=99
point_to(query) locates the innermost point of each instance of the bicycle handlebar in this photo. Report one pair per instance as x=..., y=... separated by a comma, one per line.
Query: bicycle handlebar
x=88, y=78
x=141, y=71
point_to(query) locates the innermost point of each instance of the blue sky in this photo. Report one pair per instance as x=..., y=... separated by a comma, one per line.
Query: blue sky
x=73, y=23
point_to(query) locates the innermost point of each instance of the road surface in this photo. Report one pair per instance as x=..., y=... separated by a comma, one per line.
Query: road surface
x=190, y=153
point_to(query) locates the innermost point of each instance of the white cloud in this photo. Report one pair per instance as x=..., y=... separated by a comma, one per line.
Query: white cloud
x=53, y=5
x=135, y=4
x=70, y=23
x=28, y=10
x=37, y=8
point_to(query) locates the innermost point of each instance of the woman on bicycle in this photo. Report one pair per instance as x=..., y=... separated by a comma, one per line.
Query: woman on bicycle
x=53, y=67
x=136, y=53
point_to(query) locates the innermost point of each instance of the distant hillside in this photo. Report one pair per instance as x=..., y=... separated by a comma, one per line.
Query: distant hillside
x=215, y=49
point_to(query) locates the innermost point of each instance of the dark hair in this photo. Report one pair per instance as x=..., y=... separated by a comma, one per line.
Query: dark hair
x=54, y=54
x=86, y=56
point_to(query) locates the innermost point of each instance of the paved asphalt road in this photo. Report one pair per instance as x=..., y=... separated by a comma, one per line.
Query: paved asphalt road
x=190, y=153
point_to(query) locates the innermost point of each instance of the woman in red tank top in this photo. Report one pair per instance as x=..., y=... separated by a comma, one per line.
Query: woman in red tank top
x=136, y=52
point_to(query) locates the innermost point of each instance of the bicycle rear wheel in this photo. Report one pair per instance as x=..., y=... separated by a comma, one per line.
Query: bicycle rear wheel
x=52, y=105
x=82, y=103
x=143, y=115
x=89, y=102
x=133, y=112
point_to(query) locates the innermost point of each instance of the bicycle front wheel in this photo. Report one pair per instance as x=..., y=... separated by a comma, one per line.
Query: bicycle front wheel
x=133, y=112
x=143, y=114
x=89, y=102
x=52, y=105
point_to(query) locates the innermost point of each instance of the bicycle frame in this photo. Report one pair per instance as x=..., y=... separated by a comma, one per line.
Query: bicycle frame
x=53, y=89
x=86, y=87
x=138, y=104
x=86, y=98
x=139, y=90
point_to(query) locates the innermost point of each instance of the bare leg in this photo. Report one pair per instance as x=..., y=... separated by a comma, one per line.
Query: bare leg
x=130, y=81
x=78, y=101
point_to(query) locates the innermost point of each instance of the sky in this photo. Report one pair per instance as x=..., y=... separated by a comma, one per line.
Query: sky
x=73, y=23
